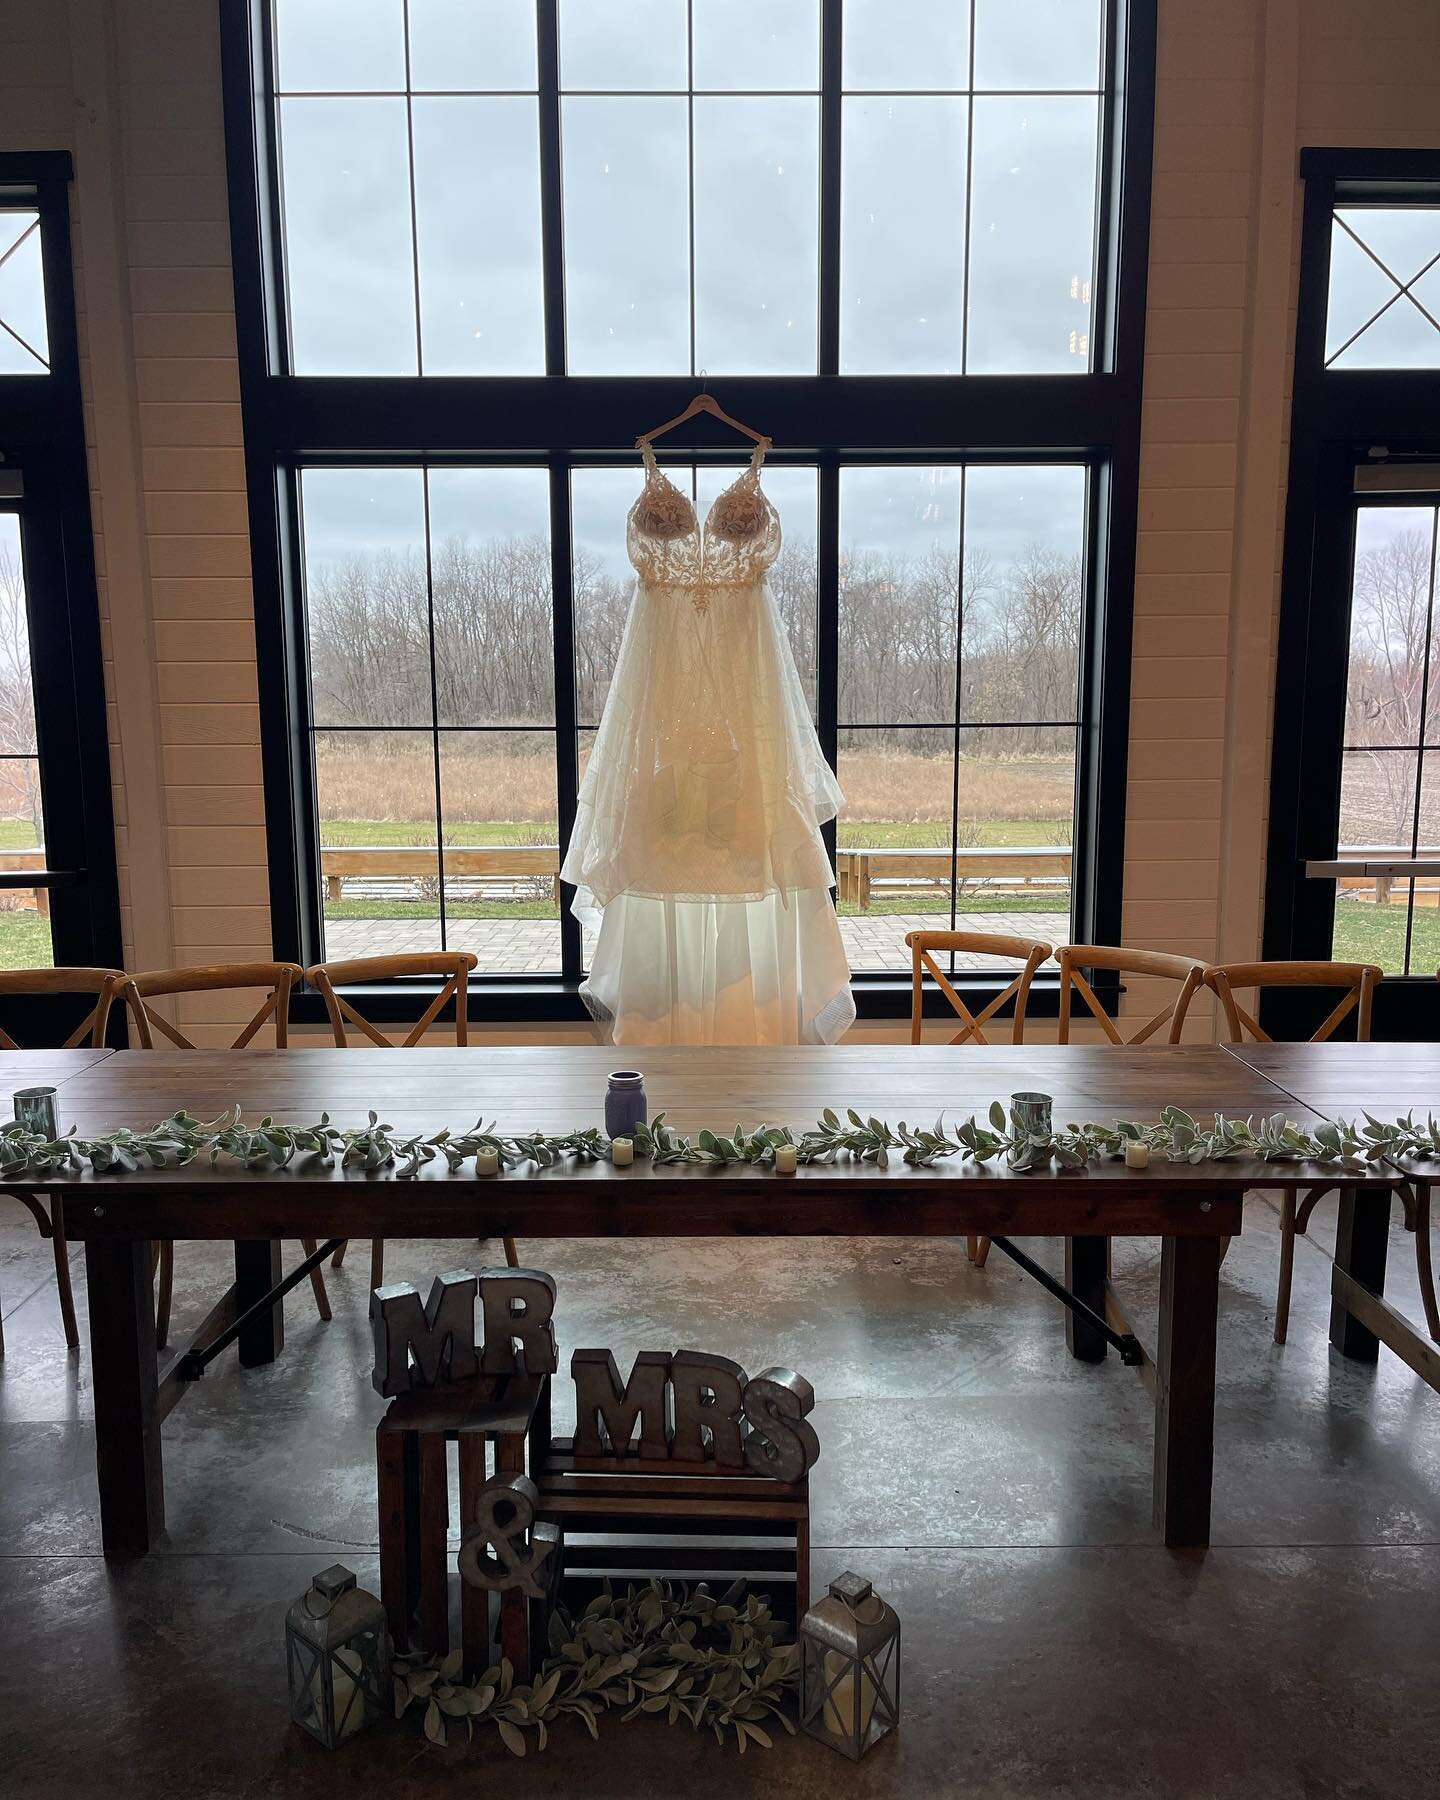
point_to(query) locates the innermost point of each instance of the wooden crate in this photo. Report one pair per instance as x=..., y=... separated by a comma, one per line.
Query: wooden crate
x=494, y=1420
x=626, y=1519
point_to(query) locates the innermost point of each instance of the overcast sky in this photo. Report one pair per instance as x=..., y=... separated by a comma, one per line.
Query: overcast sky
x=627, y=181
x=633, y=245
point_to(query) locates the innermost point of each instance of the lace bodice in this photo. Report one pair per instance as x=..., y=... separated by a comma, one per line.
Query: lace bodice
x=669, y=548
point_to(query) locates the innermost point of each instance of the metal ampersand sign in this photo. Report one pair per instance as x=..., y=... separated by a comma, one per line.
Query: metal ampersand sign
x=505, y=1522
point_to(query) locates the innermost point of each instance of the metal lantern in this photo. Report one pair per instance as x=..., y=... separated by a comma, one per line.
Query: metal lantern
x=850, y=1667
x=337, y=1646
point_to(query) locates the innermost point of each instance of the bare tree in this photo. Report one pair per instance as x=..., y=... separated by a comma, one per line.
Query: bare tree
x=21, y=798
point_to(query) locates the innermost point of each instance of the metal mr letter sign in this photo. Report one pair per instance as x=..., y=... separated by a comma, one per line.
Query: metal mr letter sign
x=432, y=1344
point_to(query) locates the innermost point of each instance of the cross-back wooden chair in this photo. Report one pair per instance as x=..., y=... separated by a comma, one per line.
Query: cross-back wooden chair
x=277, y=982
x=1357, y=983
x=90, y=1032
x=923, y=946
x=1152, y=965
x=454, y=966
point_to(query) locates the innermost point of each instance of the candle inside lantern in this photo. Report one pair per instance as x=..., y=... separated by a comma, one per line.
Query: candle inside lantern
x=487, y=1160
x=786, y=1159
x=622, y=1152
x=349, y=1702
x=1137, y=1155
x=840, y=1700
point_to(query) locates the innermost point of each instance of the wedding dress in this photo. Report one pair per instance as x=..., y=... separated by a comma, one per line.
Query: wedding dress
x=696, y=854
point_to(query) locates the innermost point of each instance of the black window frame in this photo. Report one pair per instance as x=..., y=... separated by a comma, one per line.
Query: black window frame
x=1340, y=419
x=42, y=442
x=558, y=421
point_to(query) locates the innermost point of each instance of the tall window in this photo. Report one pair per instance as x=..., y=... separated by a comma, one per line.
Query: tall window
x=480, y=249
x=1390, y=764
x=58, y=888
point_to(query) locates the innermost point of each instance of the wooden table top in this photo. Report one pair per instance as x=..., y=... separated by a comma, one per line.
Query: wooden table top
x=1346, y=1080
x=556, y=1088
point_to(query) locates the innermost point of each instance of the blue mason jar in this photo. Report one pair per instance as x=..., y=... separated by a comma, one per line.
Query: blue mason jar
x=625, y=1103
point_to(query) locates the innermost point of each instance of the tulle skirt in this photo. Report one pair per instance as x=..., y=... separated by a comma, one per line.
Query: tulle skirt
x=697, y=854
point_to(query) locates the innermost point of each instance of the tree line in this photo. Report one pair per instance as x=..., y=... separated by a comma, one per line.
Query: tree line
x=481, y=633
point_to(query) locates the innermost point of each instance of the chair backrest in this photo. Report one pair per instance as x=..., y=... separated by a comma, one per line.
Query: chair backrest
x=1159, y=965
x=454, y=965
x=1357, y=979
x=278, y=979
x=924, y=944
x=102, y=983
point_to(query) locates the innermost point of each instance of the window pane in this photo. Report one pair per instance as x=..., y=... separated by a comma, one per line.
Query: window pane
x=756, y=235
x=365, y=595
x=1032, y=235
x=627, y=283
x=749, y=45
x=1359, y=289
x=481, y=297
x=1015, y=831
x=1389, y=621
x=352, y=45
x=456, y=44
x=600, y=500
x=380, y=874
x=792, y=578
x=891, y=44
x=493, y=605
x=1375, y=252
x=894, y=841
x=623, y=44
x=24, y=337
x=1373, y=919
x=1037, y=43
x=17, y=690
x=899, y=581
x=902, y=236
x=502, y=852
x=24, y=921
x=350, y=272
x=1377, y=800
x=1024, y=591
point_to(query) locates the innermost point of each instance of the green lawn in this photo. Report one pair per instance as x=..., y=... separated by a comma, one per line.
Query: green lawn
x=854, y=834
x=25, y=941
x=1370, y=933
x=17, y=834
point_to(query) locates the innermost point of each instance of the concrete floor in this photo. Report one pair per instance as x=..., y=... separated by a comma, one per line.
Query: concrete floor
x=997, y=1493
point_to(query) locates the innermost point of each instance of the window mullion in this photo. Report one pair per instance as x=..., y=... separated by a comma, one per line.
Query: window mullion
x=567, y=744
x=828, y=323
x=552, y=247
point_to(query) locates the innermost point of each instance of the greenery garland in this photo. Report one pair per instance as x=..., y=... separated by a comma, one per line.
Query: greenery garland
x=1177, y=1137
x=661, y=1649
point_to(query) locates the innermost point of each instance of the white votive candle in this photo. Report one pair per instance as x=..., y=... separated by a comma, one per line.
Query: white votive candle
x=487, y=1160
x=786, y=1160
x=622, y=1152
x=1137, y=1155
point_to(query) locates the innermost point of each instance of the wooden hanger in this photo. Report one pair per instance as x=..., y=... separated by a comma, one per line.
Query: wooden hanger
x=703, y=403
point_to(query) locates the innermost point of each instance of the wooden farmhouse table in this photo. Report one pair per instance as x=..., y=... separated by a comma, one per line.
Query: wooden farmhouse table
x=1192, y=1209
x=1347, y=1081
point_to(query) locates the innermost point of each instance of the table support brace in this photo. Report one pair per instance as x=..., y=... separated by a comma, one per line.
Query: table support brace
x=1129, y=1346
x=194, y=1363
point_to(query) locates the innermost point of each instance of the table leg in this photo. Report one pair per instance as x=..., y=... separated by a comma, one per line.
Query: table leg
x=257, y=1270
x=1185, y=1388
x=1085, y=1259
x=127, y=1418
x=1362, y=1239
